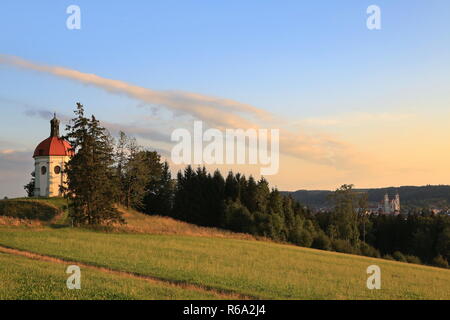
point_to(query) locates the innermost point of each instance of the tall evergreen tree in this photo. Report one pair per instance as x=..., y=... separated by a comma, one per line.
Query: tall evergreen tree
x=90, y=183
x=138, y=172
x=159, y=190
x=345, y=216
x=121, y=159
x=232, y=190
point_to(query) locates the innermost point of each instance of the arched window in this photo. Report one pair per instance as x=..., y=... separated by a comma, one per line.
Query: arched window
x=43, y=170
x=57, y=170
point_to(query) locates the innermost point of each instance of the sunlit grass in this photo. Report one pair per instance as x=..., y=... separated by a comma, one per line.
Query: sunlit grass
x=23, y=278
x=254, y=268
x=137, y=222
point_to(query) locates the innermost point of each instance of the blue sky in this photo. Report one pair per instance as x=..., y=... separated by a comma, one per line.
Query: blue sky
x=311, y=62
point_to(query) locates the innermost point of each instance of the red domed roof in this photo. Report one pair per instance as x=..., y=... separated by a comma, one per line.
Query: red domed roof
x=53, y=146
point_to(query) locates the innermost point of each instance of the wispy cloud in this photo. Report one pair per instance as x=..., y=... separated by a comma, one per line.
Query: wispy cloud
x=215, y=112
x=359, y=118
x=7, y=151
x=212, y=109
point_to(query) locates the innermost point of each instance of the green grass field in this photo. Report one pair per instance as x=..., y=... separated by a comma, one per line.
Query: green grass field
x=22, y=278
x=257, y=269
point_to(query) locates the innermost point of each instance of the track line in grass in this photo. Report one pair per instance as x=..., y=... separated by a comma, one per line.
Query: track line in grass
x=180, y=284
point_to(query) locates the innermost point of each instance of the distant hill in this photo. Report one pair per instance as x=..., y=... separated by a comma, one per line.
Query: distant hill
x=410, y=196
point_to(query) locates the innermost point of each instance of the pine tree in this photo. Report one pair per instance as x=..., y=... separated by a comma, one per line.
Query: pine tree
x=232, y=187
x=159, y=190
x=345, y=216
x=137, y=174
x=262, y=197
x=91, y=185
x=182, y=204
x=121, y=158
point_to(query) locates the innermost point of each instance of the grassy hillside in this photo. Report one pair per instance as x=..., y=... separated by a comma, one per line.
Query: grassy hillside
x=22, y=278
x=137, y=222
x=213, y=261
x=254, y=268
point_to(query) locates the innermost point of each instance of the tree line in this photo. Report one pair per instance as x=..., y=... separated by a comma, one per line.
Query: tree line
x=106, y=171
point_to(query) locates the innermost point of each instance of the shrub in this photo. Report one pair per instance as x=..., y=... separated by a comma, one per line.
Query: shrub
x=343, y=246
x=440, y=262
x=238, y=218
x=302, y=237
x=413, y=259
x=388, y=257
x=28, y=209
x=322, y=242
x=399, y=256
x=369, y=251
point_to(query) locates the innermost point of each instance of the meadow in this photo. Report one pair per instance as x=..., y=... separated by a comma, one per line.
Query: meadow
x=254, y=268
x=214, y=263
x=26, y=279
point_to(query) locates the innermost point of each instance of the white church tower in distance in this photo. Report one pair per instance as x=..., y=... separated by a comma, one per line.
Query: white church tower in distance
x=391, y=206
x=50, y=157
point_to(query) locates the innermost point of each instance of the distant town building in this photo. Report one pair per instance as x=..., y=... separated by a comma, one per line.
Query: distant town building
x=50, y=157
x=391, y=206
x=386, y=206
